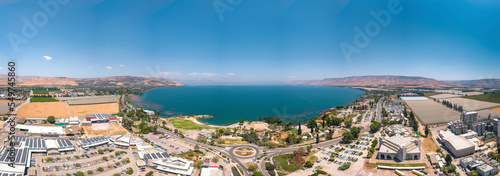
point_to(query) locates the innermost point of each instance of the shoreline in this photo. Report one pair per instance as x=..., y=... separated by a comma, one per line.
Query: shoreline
x=196, y=121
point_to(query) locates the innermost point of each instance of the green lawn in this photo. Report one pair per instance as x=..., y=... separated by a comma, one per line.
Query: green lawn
x=54, y=90
x=187, y=124
x=235, y=171
x=40, y=92
x=494, y=97
x=284, y=162
x=42, y=99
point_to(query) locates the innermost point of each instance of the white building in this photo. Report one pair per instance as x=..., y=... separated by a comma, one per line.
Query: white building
x=175, y=166
x=93, y=142
x=74, y=121
x=211, y=171
x=41, y=130
x=399, y=147
x=458, y=145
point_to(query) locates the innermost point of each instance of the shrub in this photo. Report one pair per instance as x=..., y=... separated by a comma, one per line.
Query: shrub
x=130, y=171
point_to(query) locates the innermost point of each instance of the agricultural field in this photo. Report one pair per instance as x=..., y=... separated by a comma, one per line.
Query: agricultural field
x=485, y=113
x=441, y=96
x=43, y=99
x=81, y=110
x=90, y=99
x=472, y=105
x=494, y=98
x=431, y=112
x=43, y=110
x=44, y=92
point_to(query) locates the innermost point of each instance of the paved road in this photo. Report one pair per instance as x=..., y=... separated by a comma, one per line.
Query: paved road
x=273, y=152
x=229, y=149
x=379, y=109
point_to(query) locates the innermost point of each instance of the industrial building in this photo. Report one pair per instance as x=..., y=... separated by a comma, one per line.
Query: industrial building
x=468, y=121
x=41, y=130
x=93, y=142
x=99, y=118
x=458, y=145
x=473, y=163
x=399, y=147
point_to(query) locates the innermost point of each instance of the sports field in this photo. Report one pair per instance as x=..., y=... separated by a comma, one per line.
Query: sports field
x=81, y=110
x=90, y=99
x=431, y=112
x=43, y=110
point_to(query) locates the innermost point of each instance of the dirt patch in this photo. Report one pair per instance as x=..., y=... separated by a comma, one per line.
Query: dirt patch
x=43, y=110
x=82, y=110
x=496, y=109
x=103, y=129
x=428, y=145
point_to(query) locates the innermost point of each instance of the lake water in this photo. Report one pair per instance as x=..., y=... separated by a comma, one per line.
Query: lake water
x=229, y=104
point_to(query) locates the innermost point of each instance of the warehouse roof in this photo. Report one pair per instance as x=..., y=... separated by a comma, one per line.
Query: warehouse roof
x=456, y=141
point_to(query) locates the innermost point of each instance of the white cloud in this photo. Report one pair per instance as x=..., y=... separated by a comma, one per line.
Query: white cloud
x=47, y=57
x=109, y=67
x=1, y=68
x=90, y=67
x=122, y=65
x=230, y=74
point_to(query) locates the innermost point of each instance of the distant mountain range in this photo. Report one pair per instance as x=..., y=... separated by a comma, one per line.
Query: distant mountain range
x=481, y=83
x=396, y=81
x=116, y=81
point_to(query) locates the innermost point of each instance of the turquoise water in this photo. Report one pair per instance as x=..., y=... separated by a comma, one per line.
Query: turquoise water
x=229, y=104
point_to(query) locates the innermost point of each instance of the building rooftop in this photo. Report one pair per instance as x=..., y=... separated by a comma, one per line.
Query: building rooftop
x=458, y=142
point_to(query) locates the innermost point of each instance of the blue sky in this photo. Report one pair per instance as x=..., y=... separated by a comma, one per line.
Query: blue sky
x=251, y=42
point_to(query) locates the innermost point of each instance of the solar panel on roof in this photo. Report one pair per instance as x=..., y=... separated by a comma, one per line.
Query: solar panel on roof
x=4, y=155
x=148, y=156
x=60, y=144
x=43, y=143
x=154, y=156
x=165, y=155
x=18, y=155
x=12, y=175
x=25, y=153
x=5, y=174
x=68, y=142
x=36, y=143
